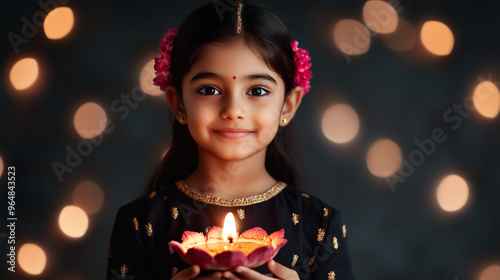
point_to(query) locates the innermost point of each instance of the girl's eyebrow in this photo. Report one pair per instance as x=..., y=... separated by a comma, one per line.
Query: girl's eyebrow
x=260, y=76
x=203, y=75
x=257, y=76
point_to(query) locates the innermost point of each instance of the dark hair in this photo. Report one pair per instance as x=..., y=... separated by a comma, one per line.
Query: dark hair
x=265, y=34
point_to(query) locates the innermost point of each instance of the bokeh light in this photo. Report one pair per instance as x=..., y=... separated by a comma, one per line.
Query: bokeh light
x=380, y=17
x=90, y=120
x=24, y=73
x=146, y=80
x=351, y=37
x=452, y=193
x=58, y=23
x=88, y=196
x=340, y=123
x=437, y=38
x=403, y=39
x=1, y=166
x=73, y=221
x=486, y=99
x=383, y=158
x=32, y=258
x=490, y=273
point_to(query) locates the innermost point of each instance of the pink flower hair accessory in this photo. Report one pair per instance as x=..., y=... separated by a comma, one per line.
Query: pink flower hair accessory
x=301, y=60
x=162, y=64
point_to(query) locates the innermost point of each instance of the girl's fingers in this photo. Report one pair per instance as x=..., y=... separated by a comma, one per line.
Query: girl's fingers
x=228, y=275
x=281, y=271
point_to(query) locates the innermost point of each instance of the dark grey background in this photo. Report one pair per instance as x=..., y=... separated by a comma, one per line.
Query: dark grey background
x=398, y=233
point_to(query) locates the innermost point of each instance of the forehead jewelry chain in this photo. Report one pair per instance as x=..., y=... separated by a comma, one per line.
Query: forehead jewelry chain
x=238, y=28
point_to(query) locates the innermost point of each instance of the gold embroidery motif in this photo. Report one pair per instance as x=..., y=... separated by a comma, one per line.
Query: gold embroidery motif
x=170, y=249
x=344, y=230
x=149, y=229
x=174, y=271
x=227, y=202
x=152, y=194
x=165, y=199
x=311, y=261
x=175, y=213
x=321, y=234
x=241, y=213
x=136, y=223
x=123, y=271
x=335, y=243
x=325, y=212
x=294, y=260
x=295, y=218
x=109, y=251
x=305, y=195
x=331, y=275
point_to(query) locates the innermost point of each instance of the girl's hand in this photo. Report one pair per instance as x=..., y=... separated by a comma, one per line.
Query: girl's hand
x=193, y=271
x=278, y=270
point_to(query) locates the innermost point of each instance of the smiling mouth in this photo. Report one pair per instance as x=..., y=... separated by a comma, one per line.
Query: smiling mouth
x=236, y=134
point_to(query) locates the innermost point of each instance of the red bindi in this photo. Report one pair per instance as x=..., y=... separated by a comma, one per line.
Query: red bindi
x=234, y=77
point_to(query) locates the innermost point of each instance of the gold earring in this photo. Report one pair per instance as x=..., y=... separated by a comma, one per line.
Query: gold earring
x=181, y=120
x=284, y=121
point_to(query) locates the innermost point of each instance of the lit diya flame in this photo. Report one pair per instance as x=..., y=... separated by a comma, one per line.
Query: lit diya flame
x=229, y=229
x=223, y=248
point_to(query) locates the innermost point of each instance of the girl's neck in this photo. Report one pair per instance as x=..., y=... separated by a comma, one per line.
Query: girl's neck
x=230, y=179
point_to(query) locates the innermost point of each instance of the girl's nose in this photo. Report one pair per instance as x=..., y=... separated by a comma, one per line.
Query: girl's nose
x=233, y=107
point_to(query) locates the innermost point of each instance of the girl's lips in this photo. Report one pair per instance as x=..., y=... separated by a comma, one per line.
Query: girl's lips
x=233, y=134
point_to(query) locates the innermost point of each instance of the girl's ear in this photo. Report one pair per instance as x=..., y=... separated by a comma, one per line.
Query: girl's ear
x=175, y=102
x=292, y=102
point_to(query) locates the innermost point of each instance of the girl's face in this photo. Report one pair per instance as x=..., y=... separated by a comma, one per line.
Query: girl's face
x=232, y=101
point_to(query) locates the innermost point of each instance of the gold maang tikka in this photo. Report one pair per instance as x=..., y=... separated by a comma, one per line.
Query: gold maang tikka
x=238, y=27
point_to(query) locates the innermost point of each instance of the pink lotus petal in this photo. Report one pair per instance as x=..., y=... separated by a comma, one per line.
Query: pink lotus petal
x=215, y=233
x=230, y=259
x=179, y=249
x=191, y=237
x=277, y=244
x=255, y=233
x=260, y=256
x=200, y=257
x=280, y=234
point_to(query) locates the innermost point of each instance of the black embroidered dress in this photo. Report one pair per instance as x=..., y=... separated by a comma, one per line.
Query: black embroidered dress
x=316, y=234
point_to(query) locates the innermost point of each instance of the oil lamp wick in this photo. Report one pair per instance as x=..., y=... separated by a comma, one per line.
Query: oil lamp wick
x=230, y=238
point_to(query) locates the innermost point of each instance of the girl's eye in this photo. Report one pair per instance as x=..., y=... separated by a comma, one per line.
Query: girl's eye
x=257, y=91
x=209, y=91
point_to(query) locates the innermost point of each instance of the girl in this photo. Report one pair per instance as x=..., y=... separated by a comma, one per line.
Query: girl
x=233, y=81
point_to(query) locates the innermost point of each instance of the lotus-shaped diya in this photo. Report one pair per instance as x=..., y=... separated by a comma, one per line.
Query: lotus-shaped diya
x=223, y=248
